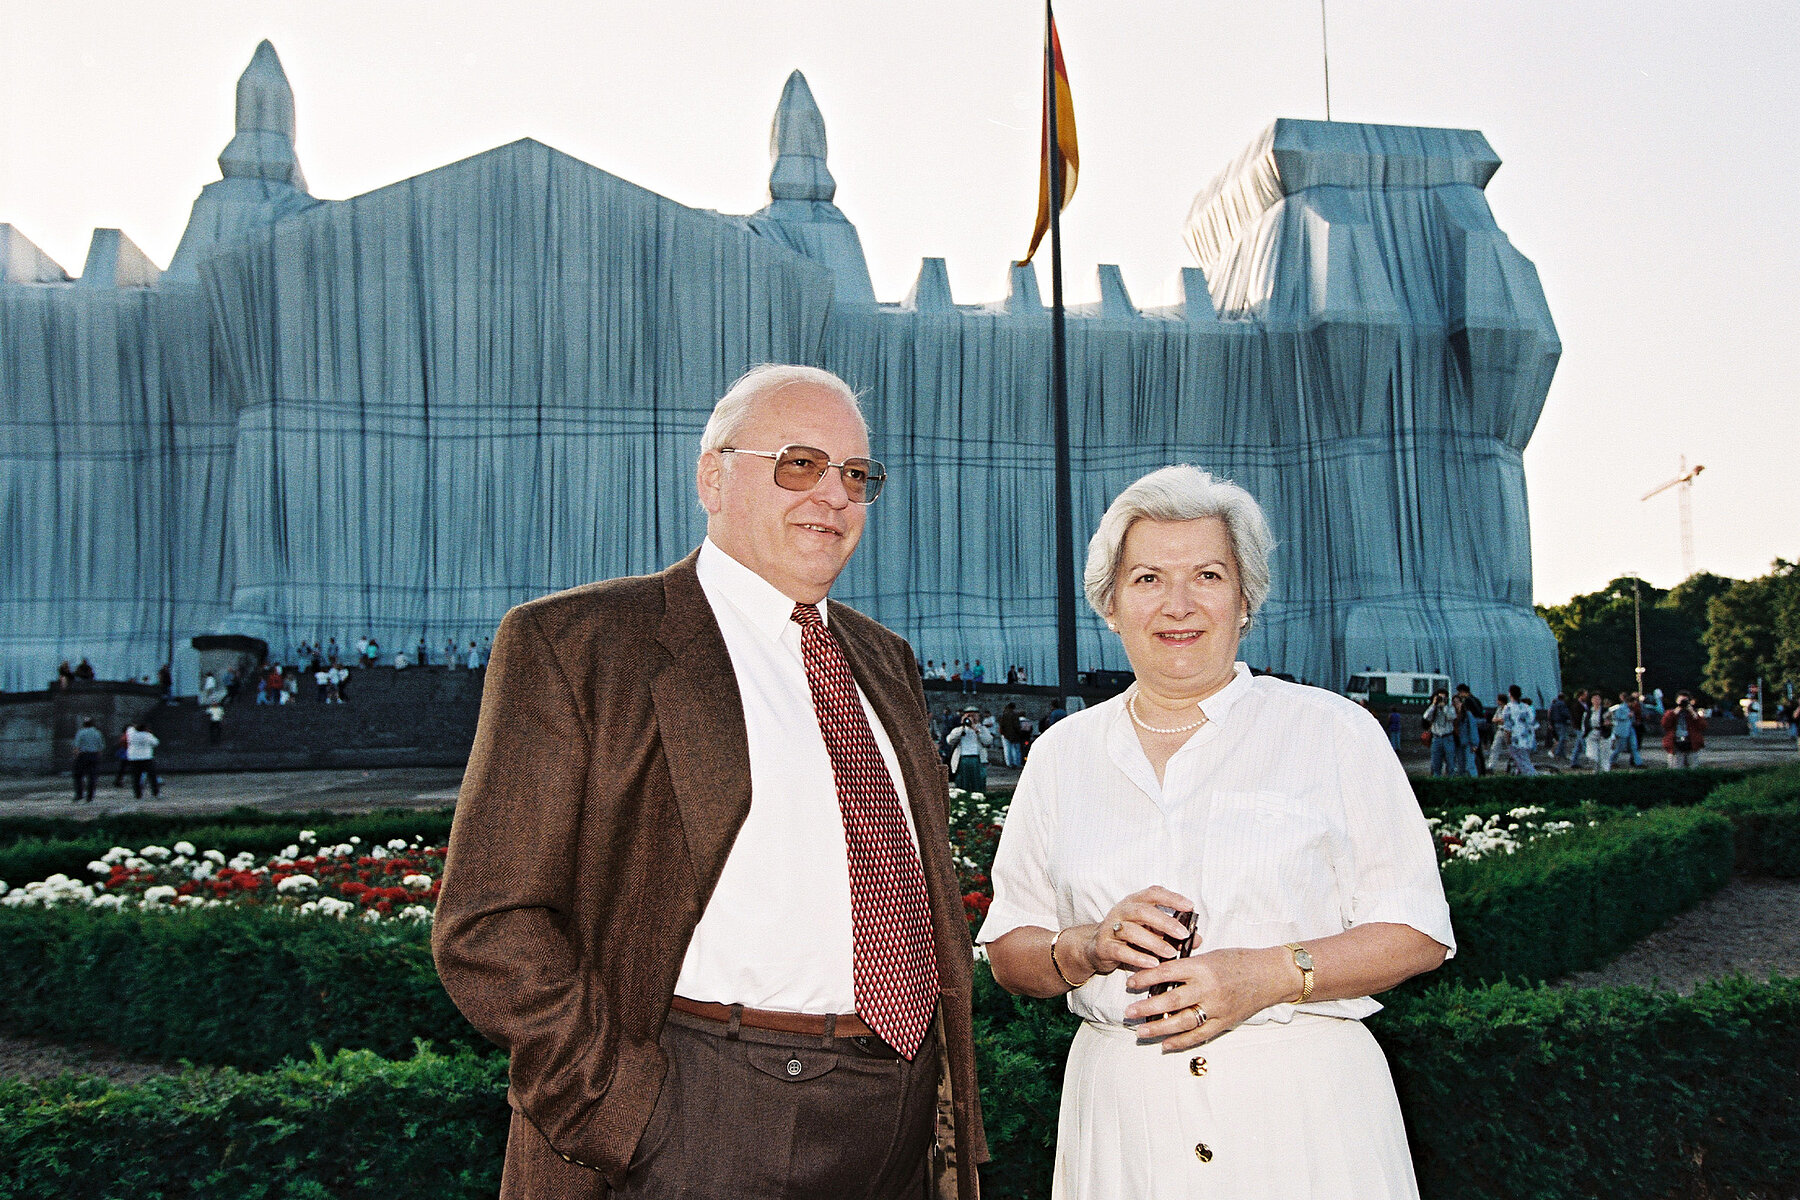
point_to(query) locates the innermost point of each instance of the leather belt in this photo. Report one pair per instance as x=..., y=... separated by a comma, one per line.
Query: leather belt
x=846, y=1025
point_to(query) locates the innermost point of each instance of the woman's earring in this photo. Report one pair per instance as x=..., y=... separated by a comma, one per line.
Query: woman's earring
x=1244, y=624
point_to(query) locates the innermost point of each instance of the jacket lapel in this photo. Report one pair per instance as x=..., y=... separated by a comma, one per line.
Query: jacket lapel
x=700, y=720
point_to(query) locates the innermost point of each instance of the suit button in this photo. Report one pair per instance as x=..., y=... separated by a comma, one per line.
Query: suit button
x=1196, y=1066
x=565, y=1157
x=1203, y=1152
x=794, y=1067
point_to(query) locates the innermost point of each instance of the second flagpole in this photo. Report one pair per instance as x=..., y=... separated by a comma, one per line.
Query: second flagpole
x=1065, y=504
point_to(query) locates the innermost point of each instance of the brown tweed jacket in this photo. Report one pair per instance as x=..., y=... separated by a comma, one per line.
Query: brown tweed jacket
x=609, y=777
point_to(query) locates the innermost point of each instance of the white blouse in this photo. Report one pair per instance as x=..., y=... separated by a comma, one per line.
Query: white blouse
x=1285, y=817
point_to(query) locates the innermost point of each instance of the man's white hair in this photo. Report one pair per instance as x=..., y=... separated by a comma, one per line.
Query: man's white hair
x=1182, y=493
x=762, y=383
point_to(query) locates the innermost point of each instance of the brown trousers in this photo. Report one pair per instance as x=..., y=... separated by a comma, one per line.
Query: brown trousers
x=770, y=1114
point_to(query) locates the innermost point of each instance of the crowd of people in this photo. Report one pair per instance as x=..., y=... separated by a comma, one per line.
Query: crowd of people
x=134, y=754
x=967, y=677
x=971, y=739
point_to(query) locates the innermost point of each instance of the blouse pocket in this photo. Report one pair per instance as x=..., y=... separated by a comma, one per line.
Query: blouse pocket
x=1263, y=860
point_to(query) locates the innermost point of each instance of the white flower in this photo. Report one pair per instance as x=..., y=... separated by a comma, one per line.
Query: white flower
x=396, y=844
x=3, y=888
x=370, y=916
x=378, y=852
x=243, y=860
x=100, y=868
x=201, y=870
x=331, y=906
x=417, y=883
x=156, y=895
x=156, y=852
x=296, y=883
x=186, y=848
x=116, y=854
x=215, y=857
x=189, y=901
x=289, y=852
x=114, y=902
x=307, y=835
x=414, y=912
x=1471, y=823
x=134, y=863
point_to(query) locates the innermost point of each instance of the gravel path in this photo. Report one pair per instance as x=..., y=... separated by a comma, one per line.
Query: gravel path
x=32, y=1058
x=1750, y=925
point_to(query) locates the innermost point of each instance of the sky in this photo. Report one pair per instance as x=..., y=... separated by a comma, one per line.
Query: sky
x=1649, y=153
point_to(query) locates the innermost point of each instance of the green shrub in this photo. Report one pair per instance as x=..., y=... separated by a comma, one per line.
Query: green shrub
x=427, y=1128
x=1571, y=902
x=1765, y=808
x=1615, y=789
x=1618, y=1092
x=228, y=986
x=28, y=859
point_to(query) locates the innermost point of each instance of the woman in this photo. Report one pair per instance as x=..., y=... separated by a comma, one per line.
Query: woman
x=1596, y=731
x=1278, y=815
x=967, y=742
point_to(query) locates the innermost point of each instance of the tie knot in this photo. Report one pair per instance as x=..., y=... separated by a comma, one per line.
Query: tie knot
x=806, y=616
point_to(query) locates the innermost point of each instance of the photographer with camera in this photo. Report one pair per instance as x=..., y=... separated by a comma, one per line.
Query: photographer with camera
x=1684, y=732
x=968, y=743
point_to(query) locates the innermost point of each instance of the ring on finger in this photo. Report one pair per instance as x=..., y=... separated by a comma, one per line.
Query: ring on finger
x=1199, y=1015
x=1118, y=925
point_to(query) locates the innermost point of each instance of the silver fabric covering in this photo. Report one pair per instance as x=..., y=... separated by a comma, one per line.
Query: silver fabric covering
x=401, y=413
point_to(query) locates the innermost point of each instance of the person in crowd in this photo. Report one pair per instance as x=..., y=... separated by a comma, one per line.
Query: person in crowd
x=1683, y=732
x=1058, y=711
x=65, y=676
x=1635, y=701
x=1521, y=720
x=322, y=681
x=337, y=682
x=332, y=653
x=140, y=753
x=929, y=671
x=1597, y=731
x=1468, y=733
x=1268, y=820
x=1012, y=735
x=1624, y=732
x=1439, y=720
x=1499, y=755
x=372, y=654
x=84, y=670
x=474, y=660
x=362, y=650
x=1577, y=715
x=401, y=661
x=165, y=683
x=1396, y=729
x=739, y=968
x=421, y=656
x=1561, y=726
x=1475, y=764
x=968, y=763
x=452, y=659
x=90, y=743
x=977, y=675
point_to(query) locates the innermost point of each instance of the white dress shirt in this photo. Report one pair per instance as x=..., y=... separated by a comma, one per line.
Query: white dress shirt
x=776, y=933
x=1285, y=817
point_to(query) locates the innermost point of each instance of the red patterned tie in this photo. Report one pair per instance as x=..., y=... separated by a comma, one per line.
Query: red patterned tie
x=896, y=966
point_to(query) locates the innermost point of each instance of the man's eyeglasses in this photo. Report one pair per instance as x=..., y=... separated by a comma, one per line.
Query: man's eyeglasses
x=800, y=468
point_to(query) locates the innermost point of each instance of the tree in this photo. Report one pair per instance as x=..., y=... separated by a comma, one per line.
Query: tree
x=1753, y=632
x=1596, y=635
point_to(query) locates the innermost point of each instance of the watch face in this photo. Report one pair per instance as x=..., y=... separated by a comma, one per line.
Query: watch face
x=1303, y=960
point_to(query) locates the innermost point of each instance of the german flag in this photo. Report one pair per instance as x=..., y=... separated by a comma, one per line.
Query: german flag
x=1068, y=154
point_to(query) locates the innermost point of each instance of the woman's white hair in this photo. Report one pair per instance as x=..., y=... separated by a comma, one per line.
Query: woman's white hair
x=1182, y=493
x=761, y=383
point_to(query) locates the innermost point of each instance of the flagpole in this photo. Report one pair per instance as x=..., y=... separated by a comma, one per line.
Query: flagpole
x=1065, y=504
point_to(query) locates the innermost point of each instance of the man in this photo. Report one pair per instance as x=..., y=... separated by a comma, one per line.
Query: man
x=1472, y=764
x=140, y=753
x=1579, y=713
x=1440, y=720
x=1624, y=733
x=699, y=882
x=1013, y=734
x=89, y=742
x=1560, y=725
x=1684, y=733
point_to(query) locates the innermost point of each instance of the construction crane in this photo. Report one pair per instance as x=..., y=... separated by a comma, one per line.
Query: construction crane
x=1684, y=482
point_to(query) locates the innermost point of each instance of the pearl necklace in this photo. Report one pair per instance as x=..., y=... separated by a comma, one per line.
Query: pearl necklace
x=1131, y=707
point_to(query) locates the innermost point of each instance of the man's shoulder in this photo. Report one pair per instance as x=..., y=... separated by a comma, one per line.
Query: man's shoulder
x=868, y=627
x=627, y=603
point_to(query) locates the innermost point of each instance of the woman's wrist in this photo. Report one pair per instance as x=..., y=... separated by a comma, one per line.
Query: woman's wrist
x=1069, y=956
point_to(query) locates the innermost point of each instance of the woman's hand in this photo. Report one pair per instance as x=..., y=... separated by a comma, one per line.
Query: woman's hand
x=1134, y=933
x=1227, y=986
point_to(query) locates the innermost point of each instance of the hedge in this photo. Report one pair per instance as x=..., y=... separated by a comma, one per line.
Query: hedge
x=1765, y=807
x=427, y=1128
x=1569, y=903
x=30, y=859
x=241, y=987
x=1614, y=789
x=139, y=827
x=1508, y=1092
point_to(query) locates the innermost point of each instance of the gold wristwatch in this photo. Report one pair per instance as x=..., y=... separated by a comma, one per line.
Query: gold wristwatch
x=1304, y=960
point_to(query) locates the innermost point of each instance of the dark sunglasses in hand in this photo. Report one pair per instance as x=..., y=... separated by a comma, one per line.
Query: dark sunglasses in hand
x=800, y=468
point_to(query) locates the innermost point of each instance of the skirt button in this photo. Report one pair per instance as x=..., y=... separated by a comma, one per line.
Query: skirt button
x=1196, y=1066
x=1203, y=1152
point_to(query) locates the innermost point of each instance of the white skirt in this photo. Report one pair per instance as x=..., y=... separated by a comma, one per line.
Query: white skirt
x=1301, y=1111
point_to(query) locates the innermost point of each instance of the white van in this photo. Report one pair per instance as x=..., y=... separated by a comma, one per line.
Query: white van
x=1396, y=689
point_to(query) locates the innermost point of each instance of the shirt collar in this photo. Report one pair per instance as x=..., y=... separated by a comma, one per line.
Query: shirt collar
x=764, y=605
x=1219, y=705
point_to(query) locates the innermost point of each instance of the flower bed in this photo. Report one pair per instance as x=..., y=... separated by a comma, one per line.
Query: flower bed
x=399, y=879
